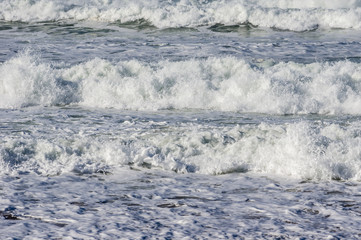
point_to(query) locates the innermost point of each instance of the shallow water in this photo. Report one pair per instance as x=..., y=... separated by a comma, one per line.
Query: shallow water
x=180, y=119
x=153, y=203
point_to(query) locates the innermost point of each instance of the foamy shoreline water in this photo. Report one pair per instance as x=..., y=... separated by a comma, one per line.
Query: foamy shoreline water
x=157, y=204
x=185, y=119
x=59, y=141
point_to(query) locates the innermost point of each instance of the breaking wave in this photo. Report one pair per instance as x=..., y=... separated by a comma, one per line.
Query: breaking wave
x=301, y=150
x=222, y=84
x=280, y=14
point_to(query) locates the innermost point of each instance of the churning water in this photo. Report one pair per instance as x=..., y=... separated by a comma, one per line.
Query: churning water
x=187, y=119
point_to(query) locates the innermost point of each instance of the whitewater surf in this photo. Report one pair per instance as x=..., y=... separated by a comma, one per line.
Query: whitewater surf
x=180, y=119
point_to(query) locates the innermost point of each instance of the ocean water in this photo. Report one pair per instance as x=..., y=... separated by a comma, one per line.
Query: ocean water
x=180, y=119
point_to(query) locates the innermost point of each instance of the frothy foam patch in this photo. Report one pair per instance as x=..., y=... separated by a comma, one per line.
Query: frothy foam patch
x=325, y=4
x=224, y=84
x=25, y=81
x=298, y=150
x=287, y=15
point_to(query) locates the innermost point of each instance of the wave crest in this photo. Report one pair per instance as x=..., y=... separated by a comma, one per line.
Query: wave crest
x=285, y=15
x=224, y=84
x=301, y=150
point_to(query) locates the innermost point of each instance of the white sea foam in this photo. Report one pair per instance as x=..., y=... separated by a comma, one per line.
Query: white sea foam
x=224, y=84
x=278, y=155
x=289, y=15
x=302, y=150
x=159, y=204
x=24, y=82
x=325, y=4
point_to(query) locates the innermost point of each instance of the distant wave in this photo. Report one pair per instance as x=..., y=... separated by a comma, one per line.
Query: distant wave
x=279, y=14
x=225, y=84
